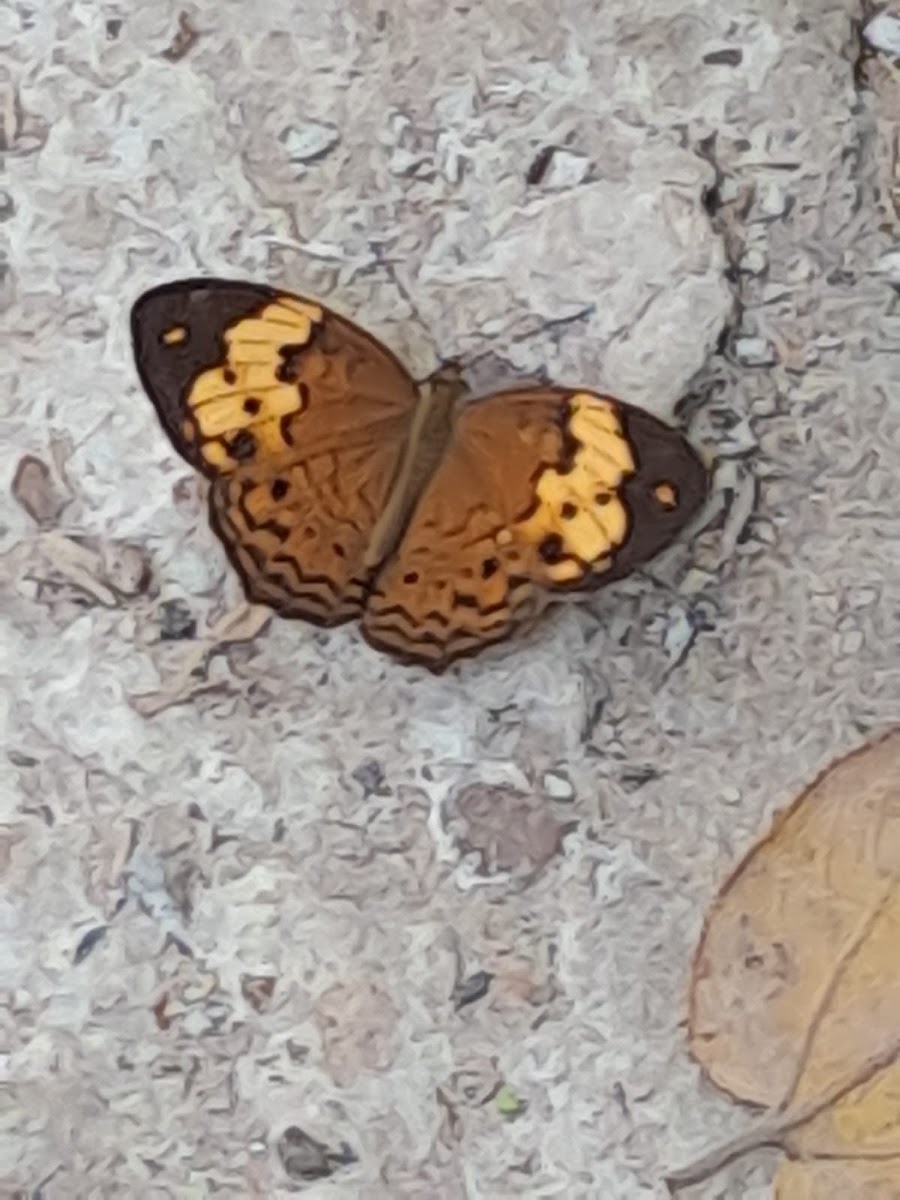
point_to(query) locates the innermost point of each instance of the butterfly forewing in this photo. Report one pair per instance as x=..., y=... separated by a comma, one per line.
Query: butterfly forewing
x=299, y=419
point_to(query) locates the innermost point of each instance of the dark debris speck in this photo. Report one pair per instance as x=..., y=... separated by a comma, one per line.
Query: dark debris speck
x=476, y=987
x=370, y=777
x=176, y=622
x=303, y=1157
x=728, y=57
x=635, y=778
x=539, y=166
x=91, y=939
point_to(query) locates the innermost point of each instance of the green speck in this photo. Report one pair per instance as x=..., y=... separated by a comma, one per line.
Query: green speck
x=508, y=1103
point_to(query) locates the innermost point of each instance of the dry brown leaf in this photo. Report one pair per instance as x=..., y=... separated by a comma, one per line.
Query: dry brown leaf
x=858, y=1180
x=795, y=995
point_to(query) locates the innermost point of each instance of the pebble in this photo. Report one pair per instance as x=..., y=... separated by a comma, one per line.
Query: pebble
x=566, y=170
x=862, y=598
x=851, y=642
x=889, y=267
x=309, y=141
x=772, y=201
x=127, y=570
x=557, y=785
x=678, y=636
x=883, y=32
x=753, y=262
x=754, y=352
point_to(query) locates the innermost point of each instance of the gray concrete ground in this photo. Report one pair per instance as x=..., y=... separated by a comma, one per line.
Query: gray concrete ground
x=244, y=934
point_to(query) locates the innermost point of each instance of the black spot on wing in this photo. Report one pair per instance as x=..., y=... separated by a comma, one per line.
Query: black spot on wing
x=242, y=446
x=551, y=548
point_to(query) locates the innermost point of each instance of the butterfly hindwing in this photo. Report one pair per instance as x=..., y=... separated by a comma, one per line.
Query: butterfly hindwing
x=299, y=419
x=541, y=491
x=300, y=539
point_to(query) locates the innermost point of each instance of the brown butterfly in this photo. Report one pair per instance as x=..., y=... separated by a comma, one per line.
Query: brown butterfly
x=342, y=490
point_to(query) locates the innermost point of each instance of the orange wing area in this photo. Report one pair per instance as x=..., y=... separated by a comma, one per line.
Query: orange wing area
x=299, y=418
x=541, y=491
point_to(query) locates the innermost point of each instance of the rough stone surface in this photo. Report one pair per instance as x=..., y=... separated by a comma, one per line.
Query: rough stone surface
x=236, y=930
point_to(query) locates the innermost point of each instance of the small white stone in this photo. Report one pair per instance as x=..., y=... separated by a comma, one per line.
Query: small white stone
x=730, y=795
x=753, y=262
x=679, y=635
x=566, y=170
x=127, y=571
x=195, y=1023
x=557, y=785
x=741, y=438
x=883, y=32
x=851, y=641
x=729, y=190
x=862, y=598
x=889, y=266
x=772, y=201
x=450, y=157
x=308, y=141
x=754, y=352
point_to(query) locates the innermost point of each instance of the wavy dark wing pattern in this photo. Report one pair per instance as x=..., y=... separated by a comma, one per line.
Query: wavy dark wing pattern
x=300, y=539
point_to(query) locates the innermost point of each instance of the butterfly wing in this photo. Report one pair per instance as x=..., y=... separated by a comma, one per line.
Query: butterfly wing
x=297, y=417
x=541, y=491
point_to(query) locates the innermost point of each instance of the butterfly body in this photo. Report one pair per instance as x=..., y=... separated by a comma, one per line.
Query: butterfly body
x=343, y=491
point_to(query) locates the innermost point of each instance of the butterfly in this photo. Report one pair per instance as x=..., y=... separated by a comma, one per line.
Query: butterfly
x=342, y=490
